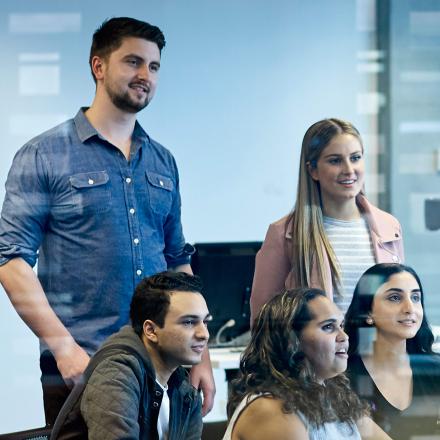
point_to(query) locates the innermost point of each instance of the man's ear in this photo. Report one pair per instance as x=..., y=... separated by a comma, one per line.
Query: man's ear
x=313, y=171
x=97, y=65
x=149, y=330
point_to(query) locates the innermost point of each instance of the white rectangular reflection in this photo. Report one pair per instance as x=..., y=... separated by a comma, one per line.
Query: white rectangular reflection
x=30, y=125
x=38, y=57
x=374, y=183
x=365, y=15
x=417, y=163
x=38, y=80
x=419, y=127
x=372, y=144
x=371, y=67
x=420, y=76
x=369, y=103
x=370, y=55
x=44, y=23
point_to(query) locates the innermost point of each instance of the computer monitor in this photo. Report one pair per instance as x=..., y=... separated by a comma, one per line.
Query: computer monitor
x=227, y=270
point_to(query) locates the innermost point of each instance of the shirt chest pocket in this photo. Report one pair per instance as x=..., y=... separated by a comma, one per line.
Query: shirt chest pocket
x=91, y=191
x=160, y=191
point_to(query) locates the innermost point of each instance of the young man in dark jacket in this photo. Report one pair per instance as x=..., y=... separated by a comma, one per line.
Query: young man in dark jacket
x=134, y=386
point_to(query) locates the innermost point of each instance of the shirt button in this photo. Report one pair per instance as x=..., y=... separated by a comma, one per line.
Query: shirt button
x=395, y=259
x=136, y=241
x=139, y=272
x=91, y=181
x=161, y=182
x=132, y=211
x=128, y=180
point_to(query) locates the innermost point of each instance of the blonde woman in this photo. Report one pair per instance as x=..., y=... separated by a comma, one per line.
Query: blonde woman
x=333, y=234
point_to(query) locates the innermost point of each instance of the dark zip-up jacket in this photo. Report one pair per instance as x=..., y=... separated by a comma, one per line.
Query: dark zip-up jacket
x=120, y=397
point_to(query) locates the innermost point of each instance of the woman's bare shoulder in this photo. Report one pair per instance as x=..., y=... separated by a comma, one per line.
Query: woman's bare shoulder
x=264, y=419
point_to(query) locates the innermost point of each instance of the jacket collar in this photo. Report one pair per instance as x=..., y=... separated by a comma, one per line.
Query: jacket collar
x=375, y=218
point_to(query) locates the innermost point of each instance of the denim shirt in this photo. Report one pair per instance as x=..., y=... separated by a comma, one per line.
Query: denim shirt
x=97, y=222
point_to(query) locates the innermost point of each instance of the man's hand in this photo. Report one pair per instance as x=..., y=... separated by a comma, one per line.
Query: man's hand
x=72, y=360
x=29, y=300
x=203, y=379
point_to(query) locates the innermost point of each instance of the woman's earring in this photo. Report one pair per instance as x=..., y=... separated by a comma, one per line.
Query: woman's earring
x=369, y=320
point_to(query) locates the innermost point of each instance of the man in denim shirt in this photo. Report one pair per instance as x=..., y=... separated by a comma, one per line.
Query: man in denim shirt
x=97, y=201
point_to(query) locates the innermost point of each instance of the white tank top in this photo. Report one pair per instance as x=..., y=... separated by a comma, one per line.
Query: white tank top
x=329, y=431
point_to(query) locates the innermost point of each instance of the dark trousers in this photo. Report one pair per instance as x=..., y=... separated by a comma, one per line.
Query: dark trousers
x=55, y=390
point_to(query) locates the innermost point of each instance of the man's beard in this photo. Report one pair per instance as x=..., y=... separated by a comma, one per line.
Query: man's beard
x=123, y=101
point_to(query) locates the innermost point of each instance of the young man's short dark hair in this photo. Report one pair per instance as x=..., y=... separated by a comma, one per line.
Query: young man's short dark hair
x=151, y=298
x=109, y=36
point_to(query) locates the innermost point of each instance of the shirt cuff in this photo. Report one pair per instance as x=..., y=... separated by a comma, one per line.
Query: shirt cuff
x=184, y=257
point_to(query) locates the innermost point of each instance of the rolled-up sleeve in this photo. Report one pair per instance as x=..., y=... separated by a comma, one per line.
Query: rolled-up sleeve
x=25, y=208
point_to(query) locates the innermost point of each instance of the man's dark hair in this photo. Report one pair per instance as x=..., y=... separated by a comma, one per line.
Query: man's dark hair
x=151, y=298
x=109, y=36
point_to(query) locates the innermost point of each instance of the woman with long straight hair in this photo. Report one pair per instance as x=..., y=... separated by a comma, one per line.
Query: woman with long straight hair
x=291, y=384
x=333, y=234
x=391, y=363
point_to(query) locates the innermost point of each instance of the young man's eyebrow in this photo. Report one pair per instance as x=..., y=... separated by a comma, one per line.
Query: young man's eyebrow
x=208, y=316
x=140, y=58
x=133, y=55
x=328, y=321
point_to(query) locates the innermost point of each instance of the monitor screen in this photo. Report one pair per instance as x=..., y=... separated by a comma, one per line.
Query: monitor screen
x=227, y=270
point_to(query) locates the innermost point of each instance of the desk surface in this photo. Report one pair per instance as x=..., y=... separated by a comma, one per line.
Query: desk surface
x=225, y=358
x=222, y=359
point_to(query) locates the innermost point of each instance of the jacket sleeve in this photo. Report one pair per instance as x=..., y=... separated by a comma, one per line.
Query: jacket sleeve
x=111, y=399
x=272, y=267
x=195, y=425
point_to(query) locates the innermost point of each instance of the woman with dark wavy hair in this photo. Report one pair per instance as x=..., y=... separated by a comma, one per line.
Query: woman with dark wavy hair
x=291, y=385
x=391, y=362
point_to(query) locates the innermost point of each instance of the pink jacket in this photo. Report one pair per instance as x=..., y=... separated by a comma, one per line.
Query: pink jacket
x=273, y=266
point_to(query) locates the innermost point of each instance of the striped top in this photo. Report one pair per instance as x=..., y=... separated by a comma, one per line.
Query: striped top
x=351, y=243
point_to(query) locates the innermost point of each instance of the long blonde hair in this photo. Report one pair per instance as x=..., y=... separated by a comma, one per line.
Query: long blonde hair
x=305, y=223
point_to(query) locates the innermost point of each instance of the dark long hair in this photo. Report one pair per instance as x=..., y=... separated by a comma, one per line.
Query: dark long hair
x=362, y=303
x=274, y=363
